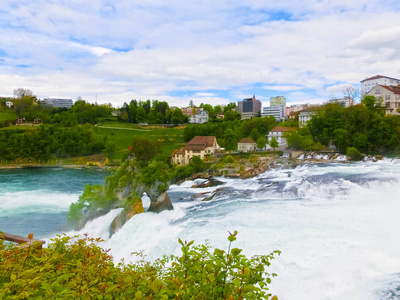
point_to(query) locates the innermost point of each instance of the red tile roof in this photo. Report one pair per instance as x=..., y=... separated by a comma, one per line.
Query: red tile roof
x=393, y=89
x=283, y=129
x=203, y=141
x=246, y=141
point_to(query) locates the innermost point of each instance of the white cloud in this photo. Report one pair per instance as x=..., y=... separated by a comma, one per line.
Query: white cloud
x=190, y=48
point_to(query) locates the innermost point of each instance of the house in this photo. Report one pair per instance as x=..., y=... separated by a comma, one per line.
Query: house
x=305, y=116
x=345, y=102
x=369, y=83
x=277, y=132
x=201, y=116
x=246, y=145
x=9, y=104
x=198, y=146
x=387, y=97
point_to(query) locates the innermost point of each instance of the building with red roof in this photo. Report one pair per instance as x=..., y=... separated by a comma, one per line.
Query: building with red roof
x=197, y=146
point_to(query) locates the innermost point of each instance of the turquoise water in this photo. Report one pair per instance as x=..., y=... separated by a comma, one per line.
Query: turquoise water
x=37, y=200
x=337, y=224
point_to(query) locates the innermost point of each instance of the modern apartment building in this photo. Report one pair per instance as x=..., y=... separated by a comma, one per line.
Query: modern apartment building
x=279, y=112
x=249, y=107
x=57, y=103
x=368, y=83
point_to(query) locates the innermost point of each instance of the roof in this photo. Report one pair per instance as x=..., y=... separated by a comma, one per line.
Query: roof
x=178, y=151
x=207, y=141
x=377, y=77
x=246, y=141
x=393, y=89
x=282, y=129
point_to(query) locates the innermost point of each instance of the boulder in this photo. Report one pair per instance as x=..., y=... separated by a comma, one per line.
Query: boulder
x=162, y=203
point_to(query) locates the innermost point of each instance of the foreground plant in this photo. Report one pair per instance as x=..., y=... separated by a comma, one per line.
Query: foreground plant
x=77, y=268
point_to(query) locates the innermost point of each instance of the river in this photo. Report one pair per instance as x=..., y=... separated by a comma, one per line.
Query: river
x=337, y=224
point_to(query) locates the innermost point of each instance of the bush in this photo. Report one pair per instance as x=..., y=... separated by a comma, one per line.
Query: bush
x=80, y=269
x=228, y=159
x=353, y=154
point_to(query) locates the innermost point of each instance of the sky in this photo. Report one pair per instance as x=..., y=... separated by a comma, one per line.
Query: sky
x=216, y=52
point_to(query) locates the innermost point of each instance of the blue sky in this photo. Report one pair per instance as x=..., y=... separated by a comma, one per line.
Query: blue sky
x=207, y=51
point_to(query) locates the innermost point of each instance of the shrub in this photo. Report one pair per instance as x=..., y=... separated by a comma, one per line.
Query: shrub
x=353, y=154
x=80, y=269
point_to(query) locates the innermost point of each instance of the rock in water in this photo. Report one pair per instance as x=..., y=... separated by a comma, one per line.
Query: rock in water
x=163, y=203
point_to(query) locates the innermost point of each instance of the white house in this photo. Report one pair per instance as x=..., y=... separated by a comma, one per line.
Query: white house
x=246, y=145
x=201, y=116
x=305, y=116
x=387, y=97
x=9, y=103
x=198, y=146
x=277, y=133
x=368, y=83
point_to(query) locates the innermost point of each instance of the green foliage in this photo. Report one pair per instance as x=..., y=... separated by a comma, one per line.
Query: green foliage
x=91, y=196
x=48, y=141
x=230, y=140
x=145, y=149
x=361, y=126
x=274, y=143
x=353, y=154
x=261, y=142
x=228, y=159
x=80, y=269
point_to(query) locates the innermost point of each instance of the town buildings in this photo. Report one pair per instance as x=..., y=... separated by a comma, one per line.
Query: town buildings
x=249, y=107
x=246, y=145
x=345, y=102
x=387, y=97
x=198, y=146
x=276, y=111
x=305, y=116
x=276, y=108
x=201, y=116
x=369, y=83
x=277, y=132
x=57, y=103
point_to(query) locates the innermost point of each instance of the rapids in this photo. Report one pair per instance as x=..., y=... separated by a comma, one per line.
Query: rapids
x=337, y=225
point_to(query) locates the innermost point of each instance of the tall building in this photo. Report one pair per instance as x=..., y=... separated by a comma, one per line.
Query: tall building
x=277, y=111
x=249, y=107
x=278, y=100
x=57, y=103
x=369, y=83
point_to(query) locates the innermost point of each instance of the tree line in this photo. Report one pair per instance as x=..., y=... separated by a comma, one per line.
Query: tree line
x=363, y=126
x=50, y=141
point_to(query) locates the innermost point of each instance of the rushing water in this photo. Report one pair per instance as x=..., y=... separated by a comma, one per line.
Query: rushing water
x=337, y=225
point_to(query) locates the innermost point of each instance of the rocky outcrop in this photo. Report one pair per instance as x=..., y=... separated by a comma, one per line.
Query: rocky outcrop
x=162, y=203
x=124, y=189
x=208, y=183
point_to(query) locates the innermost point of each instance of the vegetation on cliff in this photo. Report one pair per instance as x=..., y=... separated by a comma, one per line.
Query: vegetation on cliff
x=78, y=268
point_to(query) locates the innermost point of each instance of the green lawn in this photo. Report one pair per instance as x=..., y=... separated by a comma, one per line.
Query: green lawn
x=7, y=116
x=122, y=135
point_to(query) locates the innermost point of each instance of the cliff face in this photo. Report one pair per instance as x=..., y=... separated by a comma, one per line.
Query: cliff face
x=123, y=189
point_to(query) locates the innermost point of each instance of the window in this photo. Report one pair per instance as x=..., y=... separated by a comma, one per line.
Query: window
x=388, y=104
x=387, y=97
x=377, y=91
x=196, y=151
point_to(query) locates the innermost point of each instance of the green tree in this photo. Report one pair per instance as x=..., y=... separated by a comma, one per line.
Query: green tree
x=230, y=140
x=261, y=142
x=274, y=143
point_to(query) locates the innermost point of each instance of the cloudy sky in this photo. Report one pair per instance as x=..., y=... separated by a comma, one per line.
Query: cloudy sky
x=209, y=51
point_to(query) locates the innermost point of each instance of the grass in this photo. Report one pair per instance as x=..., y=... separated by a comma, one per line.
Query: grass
x=7, y=116
x=123, y=133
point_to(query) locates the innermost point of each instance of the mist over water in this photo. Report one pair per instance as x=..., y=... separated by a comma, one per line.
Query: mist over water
x=337, y=225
